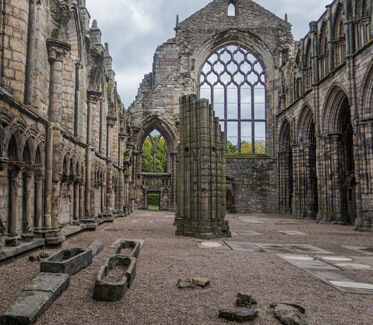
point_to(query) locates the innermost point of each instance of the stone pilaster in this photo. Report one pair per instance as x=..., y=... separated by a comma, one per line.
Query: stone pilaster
x=14, y=171
x=39, y=176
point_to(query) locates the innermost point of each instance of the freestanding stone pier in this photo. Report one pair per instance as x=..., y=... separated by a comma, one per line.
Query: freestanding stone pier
x=200, y=172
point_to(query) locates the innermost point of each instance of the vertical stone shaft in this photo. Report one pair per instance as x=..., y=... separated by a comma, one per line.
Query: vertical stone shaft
x=76, y=201
x=30, y=53
x=28, y=182
x=13, y=210
x=38, y=199
x=48, y=178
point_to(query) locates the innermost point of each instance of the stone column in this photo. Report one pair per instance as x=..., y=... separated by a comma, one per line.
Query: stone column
x=14, y=171
x=81, y=200
x=121, y=193
x=38, y=198
x=336, y=172
x=93, y=98
x=30, y=52
x=56, y=53
x=109, y=190
x=48, y=178
x=76, y=201
x=28, y=185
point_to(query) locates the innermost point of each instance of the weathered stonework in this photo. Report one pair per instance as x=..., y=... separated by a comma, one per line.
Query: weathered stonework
x=60, y=116
x=200, y=172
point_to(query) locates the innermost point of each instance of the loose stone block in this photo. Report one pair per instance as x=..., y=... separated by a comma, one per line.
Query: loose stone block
x=114, y=277
x=70, y=261
x=35, y=299
x=96, y=246
x=238, y=315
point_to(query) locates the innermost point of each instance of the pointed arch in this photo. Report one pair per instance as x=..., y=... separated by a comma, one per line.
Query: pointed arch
x=333, y=114
x=284, y=136
x=366, y=102
x=339, y=36
x=232, y=9
x=323, y=51
x=306, y=127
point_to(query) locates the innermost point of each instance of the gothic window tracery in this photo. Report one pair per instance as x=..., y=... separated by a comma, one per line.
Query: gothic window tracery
x=340, y=43
x=154, y=153
x=323, y=53
x=234, y=81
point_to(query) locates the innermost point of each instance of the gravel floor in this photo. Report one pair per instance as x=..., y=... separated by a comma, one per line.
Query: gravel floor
x=164, y=258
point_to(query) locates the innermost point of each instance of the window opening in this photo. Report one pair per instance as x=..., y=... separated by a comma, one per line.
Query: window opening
x=231, y=10
x=154, y=154
x=233, y=80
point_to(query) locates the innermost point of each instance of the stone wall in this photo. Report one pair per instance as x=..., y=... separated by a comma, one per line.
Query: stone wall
x=253, y=182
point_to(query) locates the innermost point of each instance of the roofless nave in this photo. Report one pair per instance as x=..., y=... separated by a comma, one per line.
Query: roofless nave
x=297, y=116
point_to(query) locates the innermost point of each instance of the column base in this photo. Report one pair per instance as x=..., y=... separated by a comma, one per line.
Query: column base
x=13, y=240
x=54, y=237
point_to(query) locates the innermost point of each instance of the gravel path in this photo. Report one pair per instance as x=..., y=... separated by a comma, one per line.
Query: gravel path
x=164, y=258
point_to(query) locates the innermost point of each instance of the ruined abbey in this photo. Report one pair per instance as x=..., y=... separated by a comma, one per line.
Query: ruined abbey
x=297, y=116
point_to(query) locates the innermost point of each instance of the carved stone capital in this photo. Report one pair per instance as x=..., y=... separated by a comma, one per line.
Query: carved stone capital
x=93, y=96
x=57, y=50
x=39, y=174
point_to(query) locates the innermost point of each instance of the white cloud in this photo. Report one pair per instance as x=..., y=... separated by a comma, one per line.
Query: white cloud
x=134, y=28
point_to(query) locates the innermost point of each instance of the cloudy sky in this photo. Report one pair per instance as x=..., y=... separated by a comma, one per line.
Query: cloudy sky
x=134, y=29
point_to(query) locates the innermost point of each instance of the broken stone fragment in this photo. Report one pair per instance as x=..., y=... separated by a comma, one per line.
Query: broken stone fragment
x=245, y=300
x=34, y=258
x=185, y=283
x=201, y=281
x=238, y=315
x=289, y=314
x=45, y=254
x=96, y=246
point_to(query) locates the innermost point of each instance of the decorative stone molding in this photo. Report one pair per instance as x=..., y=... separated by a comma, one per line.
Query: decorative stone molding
x=93, y=96
x=57, y=50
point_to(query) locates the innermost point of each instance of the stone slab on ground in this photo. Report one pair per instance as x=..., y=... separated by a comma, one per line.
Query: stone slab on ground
x=364, y=259
x=212, y=244
x=329, y=274
x=292, y=232
x=242, y=246
x=9, y=252
x=308, y=263
x=254, y=220
x=273, y=248
x=365, y=250
x=337, y=250
x=35, y=299
x=308, y=249
x=247, y=233
x=238, y=314
x=96, y=246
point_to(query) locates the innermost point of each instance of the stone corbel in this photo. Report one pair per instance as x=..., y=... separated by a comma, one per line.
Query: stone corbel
x=93, y=96
x=57, y=50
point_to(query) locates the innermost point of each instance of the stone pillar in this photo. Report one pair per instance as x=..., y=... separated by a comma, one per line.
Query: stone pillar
x=76, y=201
x=81, y=200
x=109, y=190
x=28, y=185
x=201, y=181
x=56, y=53
x=121, y=192
x=38, y=199
x=30, y=52
x=14, y=171
x=48, y=178
x=336, y=172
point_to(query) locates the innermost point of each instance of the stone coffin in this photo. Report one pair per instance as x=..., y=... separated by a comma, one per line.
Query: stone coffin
x=107, y=289
x=128, y=248
x=69, y=261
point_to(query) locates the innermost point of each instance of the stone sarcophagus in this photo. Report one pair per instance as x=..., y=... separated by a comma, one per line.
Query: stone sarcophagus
x=201, y=185
x=128, y=248
x=114, y=277
x=69, y=260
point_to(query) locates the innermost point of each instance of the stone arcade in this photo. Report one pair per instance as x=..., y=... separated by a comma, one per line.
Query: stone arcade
x=298, y=115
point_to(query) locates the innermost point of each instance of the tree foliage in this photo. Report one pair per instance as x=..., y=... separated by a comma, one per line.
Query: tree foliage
x=246, y=147
x=160, y=155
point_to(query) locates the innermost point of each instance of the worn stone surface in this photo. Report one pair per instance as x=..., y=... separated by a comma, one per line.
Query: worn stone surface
x=201, y=281
x=35, y=299
x=96, y=246
x=185, y=283
x=289, y=314
x=132, y=247
x=238, y=315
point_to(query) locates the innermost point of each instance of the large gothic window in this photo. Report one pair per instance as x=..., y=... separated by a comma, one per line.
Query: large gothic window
x=154, y=154
x=233, y=80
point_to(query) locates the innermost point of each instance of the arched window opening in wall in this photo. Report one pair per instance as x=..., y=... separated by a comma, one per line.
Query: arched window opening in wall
x=340, y=44
x=12, y=149
x=234, y=81
x=361, y=24
x=324, y=53
x=308, y=67
x=154, y=154
x=231, y=10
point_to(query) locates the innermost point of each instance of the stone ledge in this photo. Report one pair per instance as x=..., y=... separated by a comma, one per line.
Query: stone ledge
x=9, y=252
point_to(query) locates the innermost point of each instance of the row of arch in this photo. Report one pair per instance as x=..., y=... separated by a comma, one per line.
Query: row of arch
x=317, y=170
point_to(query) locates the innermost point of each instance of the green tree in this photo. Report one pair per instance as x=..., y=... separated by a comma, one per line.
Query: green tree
x=147, y=156
x=160, y=157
